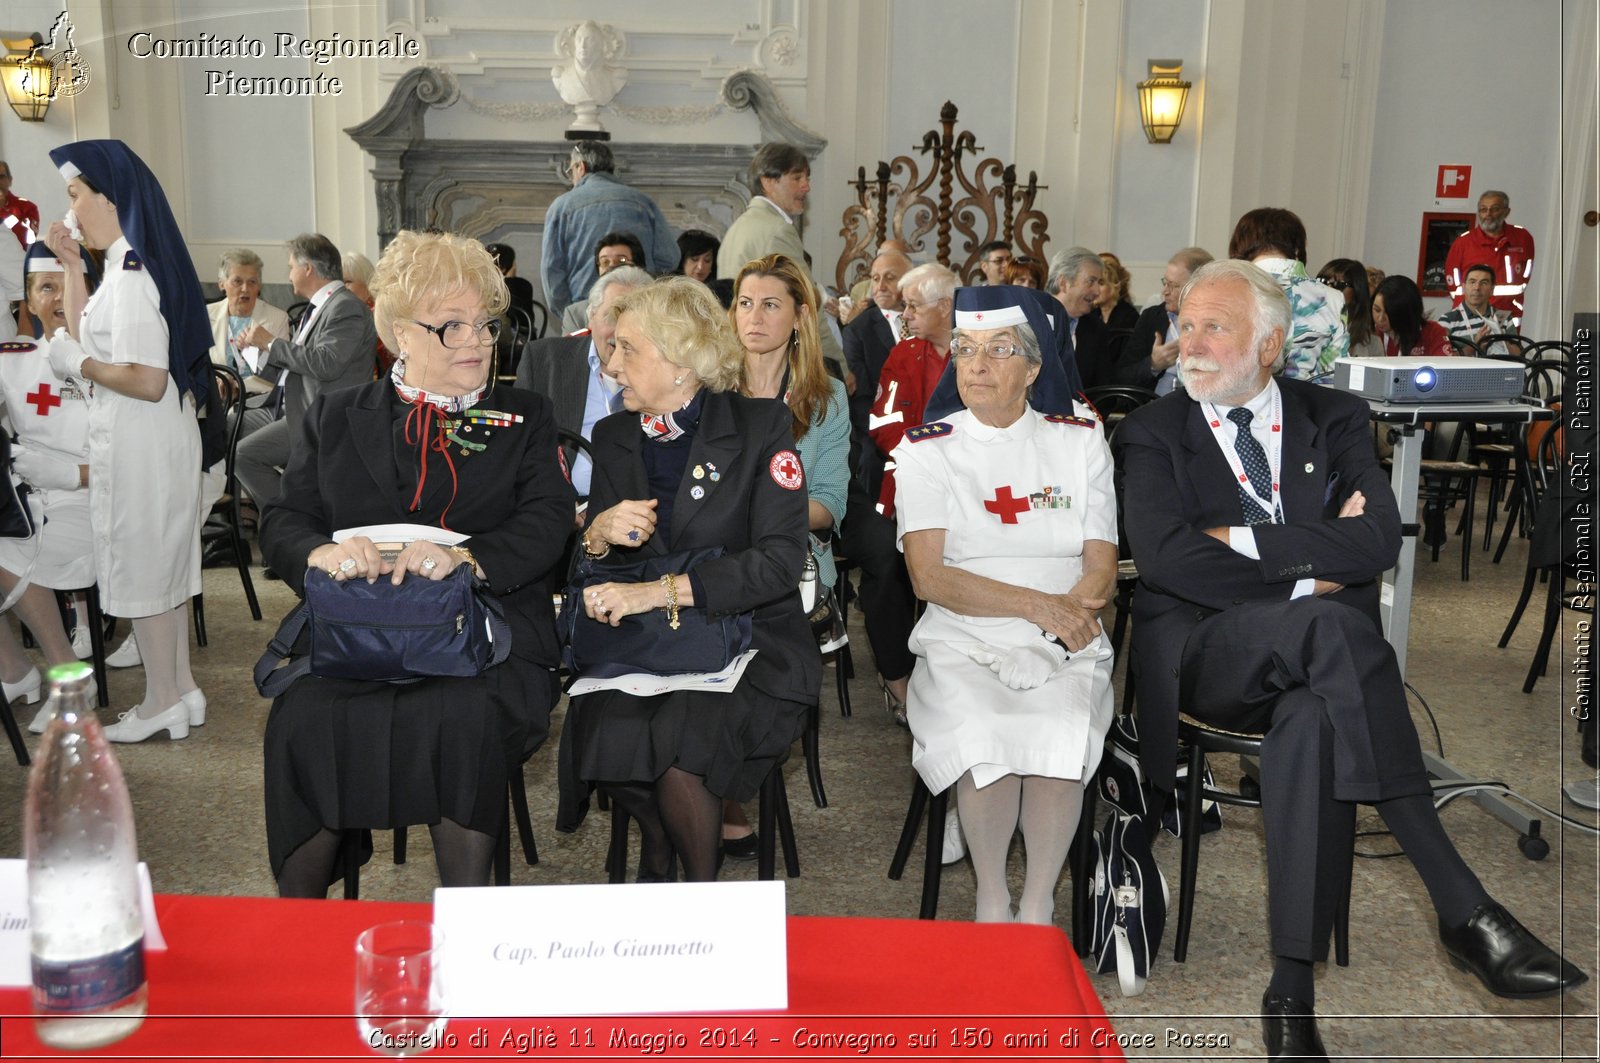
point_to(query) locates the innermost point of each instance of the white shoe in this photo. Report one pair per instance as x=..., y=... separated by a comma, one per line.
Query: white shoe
x=42, y=719
x=131, y=727
x=28, y=686
x=196, y=700
x=82, y=645
x=955, y=847
x=125, y=655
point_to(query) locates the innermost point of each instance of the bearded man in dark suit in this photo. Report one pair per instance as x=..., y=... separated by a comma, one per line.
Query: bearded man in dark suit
x=1262, y=524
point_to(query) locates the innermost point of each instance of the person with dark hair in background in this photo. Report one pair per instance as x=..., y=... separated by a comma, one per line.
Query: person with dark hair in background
x=1399, y=321
x=994, y=261
x=143, y=342
x=610, y=251
x=1349, y=278
x=697, y=255
x=597, y=204
x=519, y=289
x=1275, y=239
x=1477, y=318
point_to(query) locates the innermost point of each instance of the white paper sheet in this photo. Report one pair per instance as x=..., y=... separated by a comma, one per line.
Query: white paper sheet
x=644, y=685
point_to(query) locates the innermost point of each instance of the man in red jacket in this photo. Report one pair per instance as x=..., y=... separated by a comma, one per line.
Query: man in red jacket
x=1506, y=249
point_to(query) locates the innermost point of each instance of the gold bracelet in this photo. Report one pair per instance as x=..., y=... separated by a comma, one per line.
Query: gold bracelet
x=466, y=555
x=590, y=550
x=670, y=582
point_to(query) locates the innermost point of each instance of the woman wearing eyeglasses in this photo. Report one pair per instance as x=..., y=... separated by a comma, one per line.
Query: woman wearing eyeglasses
x=1007, y=518
x=435, y=443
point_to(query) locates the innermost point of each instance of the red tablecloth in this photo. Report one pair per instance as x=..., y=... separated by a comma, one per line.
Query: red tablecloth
x=263, y=978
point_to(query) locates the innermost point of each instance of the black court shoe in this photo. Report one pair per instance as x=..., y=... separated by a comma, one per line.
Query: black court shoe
x=1506, y=957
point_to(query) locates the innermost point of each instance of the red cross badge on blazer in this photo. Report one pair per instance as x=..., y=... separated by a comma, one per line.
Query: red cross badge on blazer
x=785, y=470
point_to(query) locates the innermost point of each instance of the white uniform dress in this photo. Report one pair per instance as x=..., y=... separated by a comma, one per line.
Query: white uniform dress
x=1016, y=504
x=144, y=457
x=49, y=417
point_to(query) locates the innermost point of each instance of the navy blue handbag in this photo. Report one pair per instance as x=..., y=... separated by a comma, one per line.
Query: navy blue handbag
x=643, y=643
x=383, y=632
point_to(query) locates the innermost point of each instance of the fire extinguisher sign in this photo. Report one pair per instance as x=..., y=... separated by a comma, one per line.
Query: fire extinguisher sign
x=1455, y=182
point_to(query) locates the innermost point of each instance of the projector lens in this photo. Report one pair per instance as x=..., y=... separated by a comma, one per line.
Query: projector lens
x=1424, y=379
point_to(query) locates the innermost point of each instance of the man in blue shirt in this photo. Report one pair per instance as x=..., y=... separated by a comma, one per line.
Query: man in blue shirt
x=597, y=204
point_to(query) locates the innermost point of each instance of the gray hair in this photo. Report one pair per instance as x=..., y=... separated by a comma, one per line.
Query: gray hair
x=1066, y=265
x=632, y=276
x=1270, y=309
x=1027, y=342
x=238, y=256
x=1190, y=258
x=773, y=160
x=931, y=281
x=1495, y=192
x=318, y=252
x=358, y=267
x=595, y=156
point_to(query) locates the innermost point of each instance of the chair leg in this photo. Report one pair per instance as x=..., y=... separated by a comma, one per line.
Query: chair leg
x=1466, y=525
x=198, y=602
x=1341, y=923
x=791, y=852
x=502, y=850
x=399, y=845
x=810, y=743
x=1193, y=787
x=617, y=851
x=908, y=833
x=1552, y=614
x=97, y=644
x=1528, y=581
x=13, y=732
x=933, y=858
x=519, y=806
x=844, y=667
x=239, y=560
x=350, y=863
x=767, y=818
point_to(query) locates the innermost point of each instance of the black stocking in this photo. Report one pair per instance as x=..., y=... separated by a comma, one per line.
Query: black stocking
x=308, y=871
x=692, y=816
x=465, y=856
x=655, y=848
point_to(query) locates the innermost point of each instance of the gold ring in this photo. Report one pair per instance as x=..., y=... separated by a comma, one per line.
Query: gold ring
x=333, y=571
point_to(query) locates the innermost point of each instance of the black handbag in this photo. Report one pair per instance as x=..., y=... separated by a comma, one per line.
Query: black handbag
x=643, y=643
x=383, y=632
x=16, y=519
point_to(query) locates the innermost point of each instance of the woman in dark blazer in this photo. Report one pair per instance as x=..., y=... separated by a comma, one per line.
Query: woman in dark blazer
x=436, y=444
x=692, y=464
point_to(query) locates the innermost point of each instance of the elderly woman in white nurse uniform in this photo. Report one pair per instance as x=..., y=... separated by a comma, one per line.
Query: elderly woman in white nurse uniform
x=1008, y=523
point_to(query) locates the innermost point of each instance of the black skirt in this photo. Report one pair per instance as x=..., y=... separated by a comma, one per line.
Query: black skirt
x=732, y=740
x=343, y=754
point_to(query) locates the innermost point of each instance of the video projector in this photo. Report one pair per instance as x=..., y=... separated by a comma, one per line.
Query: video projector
x=1423, y=380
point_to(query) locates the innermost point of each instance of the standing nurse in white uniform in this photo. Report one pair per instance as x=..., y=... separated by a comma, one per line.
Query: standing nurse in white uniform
x=139, y=347
x=1008, y=522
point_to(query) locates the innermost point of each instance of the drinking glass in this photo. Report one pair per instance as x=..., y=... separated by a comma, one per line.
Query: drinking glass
x=400, y=988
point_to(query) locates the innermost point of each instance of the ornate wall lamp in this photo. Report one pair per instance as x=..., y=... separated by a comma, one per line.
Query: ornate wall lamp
x=26, y=74
x=1161, y=99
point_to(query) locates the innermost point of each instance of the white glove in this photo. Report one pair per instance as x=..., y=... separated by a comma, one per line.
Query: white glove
x=67, y=358
x=42, y=470
x=1029, y=666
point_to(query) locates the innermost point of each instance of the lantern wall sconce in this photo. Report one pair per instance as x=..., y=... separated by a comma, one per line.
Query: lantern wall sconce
x=26, y=73
x=1161, y=100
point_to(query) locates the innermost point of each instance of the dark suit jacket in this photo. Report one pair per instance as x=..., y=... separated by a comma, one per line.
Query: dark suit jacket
x=1177, y=484
x=1133, y=366
x=761, y=525
x=338, y=352
x=512, y=499
x=557, y=367
x=867, y=342
x=1091, y=346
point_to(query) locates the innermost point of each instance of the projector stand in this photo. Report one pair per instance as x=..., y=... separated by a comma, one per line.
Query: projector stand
x=1396, y=594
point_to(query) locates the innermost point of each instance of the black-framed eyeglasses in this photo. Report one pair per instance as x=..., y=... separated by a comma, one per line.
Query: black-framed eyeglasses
x=461, y=334
x=999, y=350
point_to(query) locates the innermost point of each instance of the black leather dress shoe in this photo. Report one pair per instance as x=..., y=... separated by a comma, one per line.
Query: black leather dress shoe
x=1289, y=1028
x=741, y=848
x=1509, y=960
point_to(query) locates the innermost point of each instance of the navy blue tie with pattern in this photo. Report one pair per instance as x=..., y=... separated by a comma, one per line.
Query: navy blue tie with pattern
x=1254, y=460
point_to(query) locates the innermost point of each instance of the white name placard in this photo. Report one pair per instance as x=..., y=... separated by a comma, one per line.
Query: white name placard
x=16, y=967
x=614, y=950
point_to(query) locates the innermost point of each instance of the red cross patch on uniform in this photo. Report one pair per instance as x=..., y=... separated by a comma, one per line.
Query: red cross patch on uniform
x=785, y=470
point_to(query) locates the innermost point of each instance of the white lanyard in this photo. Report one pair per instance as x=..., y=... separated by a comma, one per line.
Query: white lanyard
x=1274, y=450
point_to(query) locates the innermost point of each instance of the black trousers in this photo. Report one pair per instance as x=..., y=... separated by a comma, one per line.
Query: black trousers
x=1319, y=681
x=885, y=591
